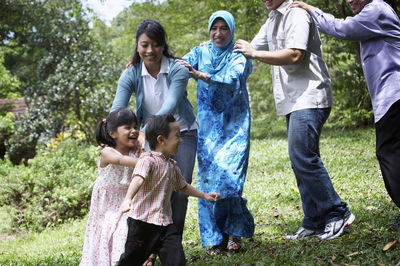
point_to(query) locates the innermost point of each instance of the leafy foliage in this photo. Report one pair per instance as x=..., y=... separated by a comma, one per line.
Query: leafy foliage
x=54, y=188
x=71, y=75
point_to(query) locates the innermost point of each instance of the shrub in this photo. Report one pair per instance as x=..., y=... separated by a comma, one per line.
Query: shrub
x=53, y=188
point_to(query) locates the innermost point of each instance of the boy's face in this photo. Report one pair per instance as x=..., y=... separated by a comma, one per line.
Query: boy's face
x=272, y=4
x=171, y=143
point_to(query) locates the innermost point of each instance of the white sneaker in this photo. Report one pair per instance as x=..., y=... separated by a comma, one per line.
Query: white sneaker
x=303, y=233
x=336, y=228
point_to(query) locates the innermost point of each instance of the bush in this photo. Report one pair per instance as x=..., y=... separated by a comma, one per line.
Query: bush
x=53, y=188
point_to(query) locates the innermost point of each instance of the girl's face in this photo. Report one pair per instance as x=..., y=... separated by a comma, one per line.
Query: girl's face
x=220, y=33
x=169, y=146
x=149, y=51
x=125, y=136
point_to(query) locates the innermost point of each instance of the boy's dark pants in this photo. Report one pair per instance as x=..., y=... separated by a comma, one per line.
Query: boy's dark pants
x=143, y=238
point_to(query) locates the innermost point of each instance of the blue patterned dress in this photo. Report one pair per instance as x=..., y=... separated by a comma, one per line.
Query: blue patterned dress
x=223, y=114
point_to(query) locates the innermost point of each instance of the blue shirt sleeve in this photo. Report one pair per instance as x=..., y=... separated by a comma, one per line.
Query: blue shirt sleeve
x=193, y=57
x=178, y=76
x=231, y=74
x=365, y=25
x=126, y=86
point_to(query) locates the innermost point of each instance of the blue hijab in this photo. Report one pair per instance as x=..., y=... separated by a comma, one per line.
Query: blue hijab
x=215, y=58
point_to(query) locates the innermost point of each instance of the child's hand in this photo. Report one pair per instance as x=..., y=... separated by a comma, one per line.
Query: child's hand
x=125, y=206
x=212, y=196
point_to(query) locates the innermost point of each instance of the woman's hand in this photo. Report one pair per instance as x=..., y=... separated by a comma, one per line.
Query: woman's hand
x=194, y=73
x=302, y=5
x=188, y=66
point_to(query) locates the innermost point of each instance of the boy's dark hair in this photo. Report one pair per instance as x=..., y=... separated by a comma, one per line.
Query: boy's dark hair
x=114, y=120
x=155, y=31
x=158, y=125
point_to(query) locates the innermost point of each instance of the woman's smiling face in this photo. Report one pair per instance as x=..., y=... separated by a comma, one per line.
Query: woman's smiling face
x=220, y=33
x=149, y=50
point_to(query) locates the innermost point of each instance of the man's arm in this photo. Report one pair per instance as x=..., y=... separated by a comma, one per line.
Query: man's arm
x=288, y=56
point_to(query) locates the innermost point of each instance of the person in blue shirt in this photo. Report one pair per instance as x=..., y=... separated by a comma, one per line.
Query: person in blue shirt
x=223, y=113
x=377, y=27
x=159, y=82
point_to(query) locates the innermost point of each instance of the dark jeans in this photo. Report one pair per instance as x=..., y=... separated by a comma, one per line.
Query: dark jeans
x=144, y=237
x=321, y=204
x=185, y=158
x=388, y=150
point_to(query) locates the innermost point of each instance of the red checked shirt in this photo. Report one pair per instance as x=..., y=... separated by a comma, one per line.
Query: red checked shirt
x=152, y=203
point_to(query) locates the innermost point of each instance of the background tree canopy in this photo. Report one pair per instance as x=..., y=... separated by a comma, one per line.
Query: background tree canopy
x=68, y=71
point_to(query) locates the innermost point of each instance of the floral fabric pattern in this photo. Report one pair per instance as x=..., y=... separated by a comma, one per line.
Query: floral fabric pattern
x=223, y=114
x=107, y=227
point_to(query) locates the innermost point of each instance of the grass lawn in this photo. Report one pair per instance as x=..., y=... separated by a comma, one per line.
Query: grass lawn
x=273, y=198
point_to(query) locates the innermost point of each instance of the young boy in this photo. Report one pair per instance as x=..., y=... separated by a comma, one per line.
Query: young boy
x=155, y=177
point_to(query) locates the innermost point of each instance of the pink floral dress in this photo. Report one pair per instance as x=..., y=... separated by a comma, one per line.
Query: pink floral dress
x=107, y=228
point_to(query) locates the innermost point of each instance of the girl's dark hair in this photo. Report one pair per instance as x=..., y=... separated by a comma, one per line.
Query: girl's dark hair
x=114, y=120
x=158, y=125
x=153, y=29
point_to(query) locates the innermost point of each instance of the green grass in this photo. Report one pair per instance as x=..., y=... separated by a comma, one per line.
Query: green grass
x=273, y=198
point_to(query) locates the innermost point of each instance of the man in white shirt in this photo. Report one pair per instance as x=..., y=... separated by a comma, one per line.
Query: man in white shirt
x=289, y=41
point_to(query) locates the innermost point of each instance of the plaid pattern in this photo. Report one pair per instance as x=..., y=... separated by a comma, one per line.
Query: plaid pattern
x=152, y=203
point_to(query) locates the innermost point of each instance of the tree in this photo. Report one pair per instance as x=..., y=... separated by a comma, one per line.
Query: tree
x=71, y=75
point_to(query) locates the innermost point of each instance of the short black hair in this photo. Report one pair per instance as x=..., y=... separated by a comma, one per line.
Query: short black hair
x=158, y=125
x=115, y=119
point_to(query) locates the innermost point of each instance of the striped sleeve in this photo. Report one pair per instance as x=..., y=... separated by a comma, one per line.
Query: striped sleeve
x=179, y=181
x=143, y=167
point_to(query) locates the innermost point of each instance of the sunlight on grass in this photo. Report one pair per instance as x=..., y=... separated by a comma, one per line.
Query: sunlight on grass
x=273, y=198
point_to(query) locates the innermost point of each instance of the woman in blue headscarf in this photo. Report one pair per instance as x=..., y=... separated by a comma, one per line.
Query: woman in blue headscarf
x=223, y=114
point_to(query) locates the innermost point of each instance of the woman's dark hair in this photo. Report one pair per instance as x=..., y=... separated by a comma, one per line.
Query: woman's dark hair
x=158, y=125
x=114, y=120
x=153, y=29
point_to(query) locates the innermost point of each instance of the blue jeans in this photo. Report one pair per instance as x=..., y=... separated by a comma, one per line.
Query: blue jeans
x=321, y=204
x=185, y=158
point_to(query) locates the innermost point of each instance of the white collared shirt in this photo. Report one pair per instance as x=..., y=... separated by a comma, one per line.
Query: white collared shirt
x=155, y=91
x=307, y=84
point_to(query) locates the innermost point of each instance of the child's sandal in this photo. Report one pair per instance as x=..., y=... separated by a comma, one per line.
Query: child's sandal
x=234, y=244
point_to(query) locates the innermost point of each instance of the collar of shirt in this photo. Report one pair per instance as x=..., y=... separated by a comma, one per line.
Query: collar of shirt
x=281, y=9
x=159, y=154
x=163, y=70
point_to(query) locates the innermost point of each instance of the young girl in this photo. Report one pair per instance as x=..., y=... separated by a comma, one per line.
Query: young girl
x=106, y=229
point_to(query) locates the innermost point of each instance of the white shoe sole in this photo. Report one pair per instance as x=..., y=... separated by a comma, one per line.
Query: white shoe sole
x=348, y=223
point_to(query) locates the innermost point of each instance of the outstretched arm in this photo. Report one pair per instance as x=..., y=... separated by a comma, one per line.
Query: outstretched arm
x=192, y=191
x=288, y=56
x=136, y=183
x=195, y=73
x=302, y=5
x=109, y=156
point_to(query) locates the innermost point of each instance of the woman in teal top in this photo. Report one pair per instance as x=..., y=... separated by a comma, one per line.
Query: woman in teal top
x=223, y=114
x=159, y=82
